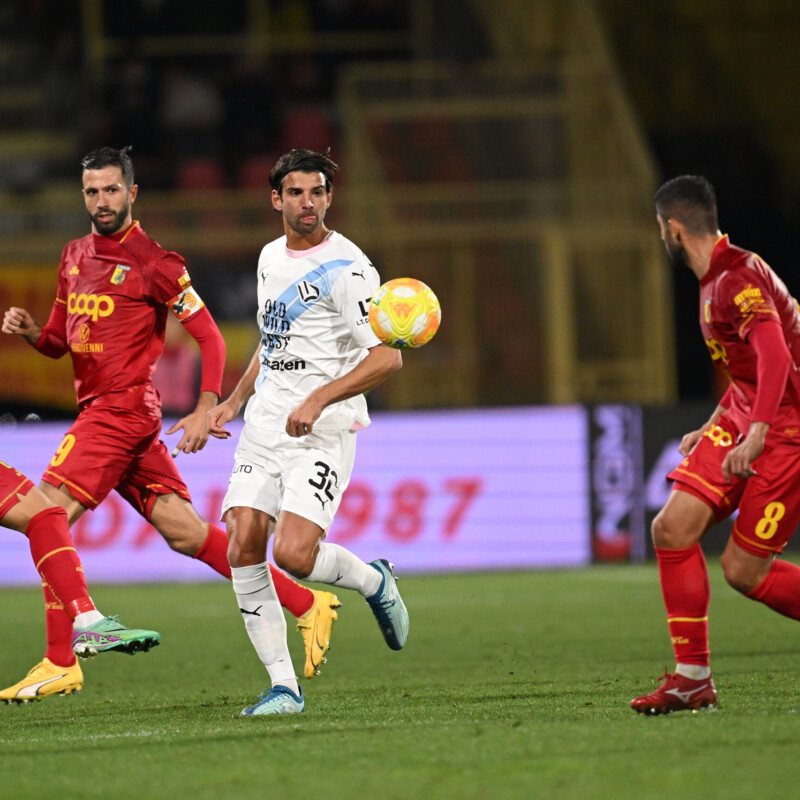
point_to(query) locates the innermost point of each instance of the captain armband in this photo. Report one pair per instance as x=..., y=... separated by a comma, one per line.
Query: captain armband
x=185, y=304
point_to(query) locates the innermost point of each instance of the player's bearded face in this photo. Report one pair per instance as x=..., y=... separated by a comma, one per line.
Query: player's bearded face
x=107, y=221
x=108, y=199
x=676, y=252
x=304, y=223
x=303, y=202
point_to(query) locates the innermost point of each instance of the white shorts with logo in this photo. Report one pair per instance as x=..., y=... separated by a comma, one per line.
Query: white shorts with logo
x=275, y=472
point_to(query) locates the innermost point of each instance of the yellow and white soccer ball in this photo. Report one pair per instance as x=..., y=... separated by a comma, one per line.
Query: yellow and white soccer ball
x=404, y=313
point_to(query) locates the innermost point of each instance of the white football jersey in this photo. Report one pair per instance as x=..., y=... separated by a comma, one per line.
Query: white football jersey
x=313, y=310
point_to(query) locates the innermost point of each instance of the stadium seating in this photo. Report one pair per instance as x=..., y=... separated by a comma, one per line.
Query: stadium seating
x=199, y=174
x=254, y=171
x=307, y=127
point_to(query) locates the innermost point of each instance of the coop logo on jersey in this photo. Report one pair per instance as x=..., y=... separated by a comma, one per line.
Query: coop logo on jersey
x=719, y=436
x=119, y=274
x=308, y=292
x=185, y=304
x=749, y=299
x=93, y=305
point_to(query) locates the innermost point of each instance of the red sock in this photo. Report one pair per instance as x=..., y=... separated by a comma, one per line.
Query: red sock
x=214, y=551
x=780, y=590
x=57, y=561
x=59, y=630
x=686, y=591
x=294, y=597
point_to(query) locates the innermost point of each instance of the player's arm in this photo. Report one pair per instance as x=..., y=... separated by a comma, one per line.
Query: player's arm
x=50, y=340
x=202, y=328
x=773, y=362
x=380, y=362
x=229, y=409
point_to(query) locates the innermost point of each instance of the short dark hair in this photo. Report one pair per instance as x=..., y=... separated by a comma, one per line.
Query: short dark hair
x=103, y=157
x=303, y=161
x=691, y=200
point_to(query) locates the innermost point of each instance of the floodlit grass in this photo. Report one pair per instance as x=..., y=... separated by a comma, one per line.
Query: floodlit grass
x=511, y=686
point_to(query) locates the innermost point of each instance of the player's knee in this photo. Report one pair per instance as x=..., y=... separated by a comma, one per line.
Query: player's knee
x=179, y=524
x=186, y=547
x=743, y=575
x=736, y=576
x=293, y=560
x=244, y=552
x=663, y=532
x=184, y=539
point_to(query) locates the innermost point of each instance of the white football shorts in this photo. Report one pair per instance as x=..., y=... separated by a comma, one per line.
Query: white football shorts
x=275, y=472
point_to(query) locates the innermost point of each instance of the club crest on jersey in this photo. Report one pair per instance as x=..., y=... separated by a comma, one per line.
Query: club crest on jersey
x=119, y=274
x=73, y=270
x=707, y=310
x=308, y=292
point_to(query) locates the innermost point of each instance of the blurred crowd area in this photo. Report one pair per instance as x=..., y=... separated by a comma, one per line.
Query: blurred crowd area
x=212, y=108
x=209, y=94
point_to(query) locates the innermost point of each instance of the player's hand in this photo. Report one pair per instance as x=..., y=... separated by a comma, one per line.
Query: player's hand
x=19, y=321
x=218, y=417
x=195, y=432
x=739, y=461
x=301, y=419
x=689, y=441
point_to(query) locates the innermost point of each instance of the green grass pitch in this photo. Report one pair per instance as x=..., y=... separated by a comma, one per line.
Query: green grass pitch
x=511, y=686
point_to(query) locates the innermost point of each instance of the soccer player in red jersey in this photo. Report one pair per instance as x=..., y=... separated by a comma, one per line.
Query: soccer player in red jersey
x=116, y=287
x=25, y=509
x=745, y=457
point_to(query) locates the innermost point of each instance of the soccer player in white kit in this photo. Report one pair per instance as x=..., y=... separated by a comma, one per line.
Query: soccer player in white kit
x=304, y=393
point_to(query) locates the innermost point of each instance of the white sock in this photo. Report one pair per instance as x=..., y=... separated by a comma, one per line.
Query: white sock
x=264, y=622
x=339, y=567
x=87, y=618
x=693, y=671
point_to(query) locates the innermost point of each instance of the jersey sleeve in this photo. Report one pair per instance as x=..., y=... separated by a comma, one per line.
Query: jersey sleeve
x=351, y=295
x=205, y=332
x=169, y=283
x=744, y=298
x=53, y=341
x=774, y=363
x=166, y=275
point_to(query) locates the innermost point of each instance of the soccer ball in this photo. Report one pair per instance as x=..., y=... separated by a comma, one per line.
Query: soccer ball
x=404, y=312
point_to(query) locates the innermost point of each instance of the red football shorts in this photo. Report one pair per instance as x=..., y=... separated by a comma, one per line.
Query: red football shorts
x=114, y=448
x=12, y=483
x=768, y=503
